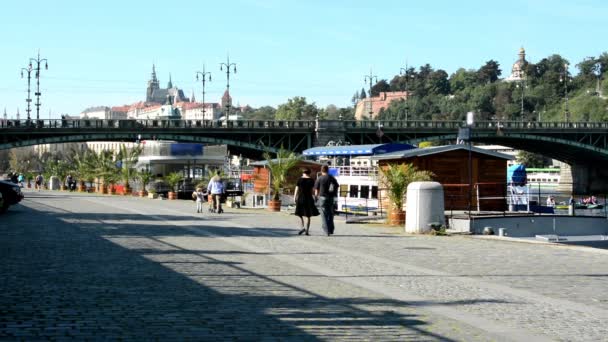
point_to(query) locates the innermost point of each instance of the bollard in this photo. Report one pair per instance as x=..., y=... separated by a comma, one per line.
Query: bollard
x=571, y=210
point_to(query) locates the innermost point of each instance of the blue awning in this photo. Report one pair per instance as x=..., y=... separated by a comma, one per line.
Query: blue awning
x=356, y=150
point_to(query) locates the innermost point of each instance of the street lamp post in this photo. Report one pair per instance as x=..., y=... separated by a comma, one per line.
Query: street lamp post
x=405, y=72
x=29, y=98
x=371, y=77
x=523, y=86
x=38, y=60
x=205, y=76
x=227, y=65
x=565, y=79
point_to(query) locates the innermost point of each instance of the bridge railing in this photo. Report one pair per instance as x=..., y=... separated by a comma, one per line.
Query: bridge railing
x=289, y=124
x=160, y=123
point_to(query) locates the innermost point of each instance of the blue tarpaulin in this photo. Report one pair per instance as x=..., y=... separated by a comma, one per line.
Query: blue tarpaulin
x=516, y=174
x=185, y=149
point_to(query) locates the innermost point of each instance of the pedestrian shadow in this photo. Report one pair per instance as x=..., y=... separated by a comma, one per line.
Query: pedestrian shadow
x=79, y=282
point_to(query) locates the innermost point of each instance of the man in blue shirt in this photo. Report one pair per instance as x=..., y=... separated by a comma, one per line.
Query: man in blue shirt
x=216, y=189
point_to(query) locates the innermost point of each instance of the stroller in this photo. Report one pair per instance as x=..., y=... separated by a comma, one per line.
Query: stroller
x=222, y=199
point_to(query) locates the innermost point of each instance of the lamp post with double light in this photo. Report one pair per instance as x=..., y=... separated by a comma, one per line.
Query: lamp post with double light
x=205, y=76
x=38, y=61
x=405, y=72
x=28, y=70
x=228, y=65
x=371, y=78
x=565, y=78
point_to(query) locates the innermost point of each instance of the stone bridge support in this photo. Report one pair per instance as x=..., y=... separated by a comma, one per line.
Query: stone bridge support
x=584, y=179
x=327, y=131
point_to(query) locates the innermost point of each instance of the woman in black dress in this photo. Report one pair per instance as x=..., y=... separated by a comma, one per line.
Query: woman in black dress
x=305, y=202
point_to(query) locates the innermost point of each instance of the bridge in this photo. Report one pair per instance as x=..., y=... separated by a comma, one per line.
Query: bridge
x=582, y=145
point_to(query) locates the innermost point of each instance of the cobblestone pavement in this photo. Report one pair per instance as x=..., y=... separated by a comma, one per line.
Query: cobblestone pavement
x=78, y=267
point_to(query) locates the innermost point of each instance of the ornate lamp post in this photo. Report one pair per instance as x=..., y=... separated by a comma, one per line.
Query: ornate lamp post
x=523, y=86
x=371, y=77
x=38, y=60
x=405, y=72
x=205, y=76
x=29, y=98
x=565, y=79
x=227, y=65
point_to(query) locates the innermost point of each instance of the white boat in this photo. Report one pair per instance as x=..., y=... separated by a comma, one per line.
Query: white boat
x=358, y=186
x=543, y=177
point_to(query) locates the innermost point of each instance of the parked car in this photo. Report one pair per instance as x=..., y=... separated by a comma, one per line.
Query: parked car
x=11, y=195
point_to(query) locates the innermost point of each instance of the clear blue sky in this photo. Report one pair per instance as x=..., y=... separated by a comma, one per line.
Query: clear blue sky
x=101, y=52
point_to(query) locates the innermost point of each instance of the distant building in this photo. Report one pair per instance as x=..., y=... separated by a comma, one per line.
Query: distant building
x=376, y=103
x=194, y=110
x=104, y=113
x=169, y=95
x=518, y=71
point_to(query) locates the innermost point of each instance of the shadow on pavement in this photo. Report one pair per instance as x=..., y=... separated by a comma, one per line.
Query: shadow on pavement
x=72, y=281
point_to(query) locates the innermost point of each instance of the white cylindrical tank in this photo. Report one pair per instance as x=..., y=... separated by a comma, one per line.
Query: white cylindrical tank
x=424, y=206
x=54, y=183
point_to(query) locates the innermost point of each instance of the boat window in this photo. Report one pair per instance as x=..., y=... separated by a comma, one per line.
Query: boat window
x=354, y=191
x=374, y=191
x=364, y=191
x=343, y=190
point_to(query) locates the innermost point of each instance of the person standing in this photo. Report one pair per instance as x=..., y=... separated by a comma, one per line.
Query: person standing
x=199, y=195
x=39, y=179
x=305, y=202
x=20, y=180
x=326, y=188
x=216, y=190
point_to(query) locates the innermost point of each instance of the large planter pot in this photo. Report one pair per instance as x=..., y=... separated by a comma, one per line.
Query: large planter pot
x=127, y=191
x=142, y=193
x=103, y=189
x=274, y=205
x=62, y=187
x=81, y=187
x=152, y=195
x=396, y=217
x=172, y=195
x=112, y=190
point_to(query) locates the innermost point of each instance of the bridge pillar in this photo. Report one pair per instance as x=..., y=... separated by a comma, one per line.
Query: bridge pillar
x=329, y=130
x=584, y=179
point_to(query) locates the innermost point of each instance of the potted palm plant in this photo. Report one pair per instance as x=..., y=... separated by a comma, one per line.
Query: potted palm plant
x=128, y=158
x=105, y=168
x=173, y=179
x=279, y=168
x=395, y=178
x=144, y=176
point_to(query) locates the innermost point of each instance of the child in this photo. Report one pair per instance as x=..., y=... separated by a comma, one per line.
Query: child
x=198, y=195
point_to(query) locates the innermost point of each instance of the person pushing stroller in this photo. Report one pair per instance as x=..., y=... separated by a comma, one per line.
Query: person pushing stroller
x=215, y=189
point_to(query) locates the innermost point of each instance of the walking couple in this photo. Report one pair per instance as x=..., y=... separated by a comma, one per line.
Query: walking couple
x=308, y=191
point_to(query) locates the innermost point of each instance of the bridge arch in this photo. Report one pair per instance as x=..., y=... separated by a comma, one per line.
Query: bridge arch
x=76, y=138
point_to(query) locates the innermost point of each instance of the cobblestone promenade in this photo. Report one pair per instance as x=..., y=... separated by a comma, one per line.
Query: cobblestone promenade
x=93, y=267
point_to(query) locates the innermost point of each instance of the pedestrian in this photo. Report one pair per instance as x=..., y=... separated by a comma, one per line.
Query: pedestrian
x=216, y=190
x=20, y=180
x=199, y=195
x=326, y=188
x=39, y=180
x=68, y=182
x=14, y=178
x=550, y=201
x=305, y=202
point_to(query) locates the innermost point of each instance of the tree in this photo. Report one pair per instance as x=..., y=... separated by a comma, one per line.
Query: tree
x=489, y=72
x=297, y=109
x=128, y=158
x=262, y=113
x=530, y=159
x=380, y=87
x=279, y=168
x=362, y=95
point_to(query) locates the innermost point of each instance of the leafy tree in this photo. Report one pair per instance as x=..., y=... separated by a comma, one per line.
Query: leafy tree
x=297, y=109
x=379, y=87
x=128, y=158
x=531, y=160
x=489, y=73
x=262, y=113
x=279, y=168
x=362, y=95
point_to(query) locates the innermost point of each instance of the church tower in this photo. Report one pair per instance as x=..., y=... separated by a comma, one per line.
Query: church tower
x=153, y=85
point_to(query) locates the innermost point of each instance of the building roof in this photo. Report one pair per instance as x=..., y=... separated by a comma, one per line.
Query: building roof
x=265, y=162
x=356, y=150
x=420, y=152
x=95, y=109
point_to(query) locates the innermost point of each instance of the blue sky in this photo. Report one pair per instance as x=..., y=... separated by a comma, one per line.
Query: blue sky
x=101, y=53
